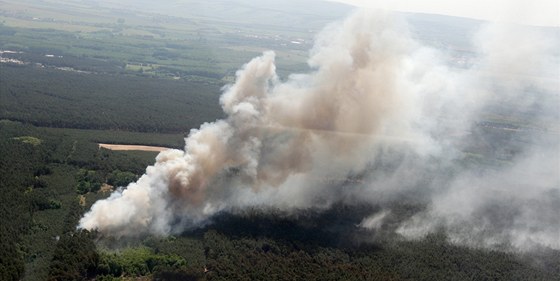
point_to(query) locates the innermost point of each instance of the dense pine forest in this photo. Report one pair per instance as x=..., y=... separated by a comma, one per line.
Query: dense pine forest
x=54, y=98
x=50, y=179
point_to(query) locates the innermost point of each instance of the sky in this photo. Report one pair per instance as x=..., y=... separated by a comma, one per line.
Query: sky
x=530, y=12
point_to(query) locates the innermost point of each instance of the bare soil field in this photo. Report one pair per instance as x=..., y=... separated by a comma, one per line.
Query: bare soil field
x=132, y=147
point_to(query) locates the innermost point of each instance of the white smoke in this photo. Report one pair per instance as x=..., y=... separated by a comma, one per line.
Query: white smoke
x=376, y=103
x=514, y=204
x=517, y=206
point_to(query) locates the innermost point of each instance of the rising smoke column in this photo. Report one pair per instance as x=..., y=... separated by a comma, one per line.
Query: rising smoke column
x=375, y=103
x=278, y=137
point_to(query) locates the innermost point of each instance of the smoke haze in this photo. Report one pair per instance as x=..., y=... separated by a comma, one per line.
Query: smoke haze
x=379, y=117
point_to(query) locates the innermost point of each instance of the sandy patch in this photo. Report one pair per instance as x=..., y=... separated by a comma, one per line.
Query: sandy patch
x=82, y=200
x=106, y=188
x=132, y=147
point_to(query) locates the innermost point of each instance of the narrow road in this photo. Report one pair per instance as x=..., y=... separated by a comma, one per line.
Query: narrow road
x=132, y=147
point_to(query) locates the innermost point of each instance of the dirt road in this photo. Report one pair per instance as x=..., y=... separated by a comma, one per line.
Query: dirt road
x=132, y=147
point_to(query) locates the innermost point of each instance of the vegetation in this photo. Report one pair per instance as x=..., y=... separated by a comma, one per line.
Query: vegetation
x=139, y=261
x=263, y=258
x=119, y=178
x=88, y=181
x=17, y=165
x=54, y=98
x=40, y=241
x=108, y=76
x=40, y=184
x=74, y=258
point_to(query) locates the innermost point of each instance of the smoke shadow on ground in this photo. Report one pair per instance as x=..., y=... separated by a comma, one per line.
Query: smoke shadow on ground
x=273, y=235
x=336, y=227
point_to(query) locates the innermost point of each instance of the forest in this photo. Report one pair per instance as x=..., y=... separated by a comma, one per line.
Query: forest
x=110, y=74
x=54, y=98
x=50, y=179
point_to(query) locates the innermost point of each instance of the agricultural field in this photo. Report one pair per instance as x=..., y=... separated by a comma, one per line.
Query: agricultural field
x=188, y=46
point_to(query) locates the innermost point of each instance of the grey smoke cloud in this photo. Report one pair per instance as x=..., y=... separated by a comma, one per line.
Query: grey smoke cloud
x=378, y=104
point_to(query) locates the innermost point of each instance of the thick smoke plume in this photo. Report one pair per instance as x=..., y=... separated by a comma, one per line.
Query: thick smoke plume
x=379, y=117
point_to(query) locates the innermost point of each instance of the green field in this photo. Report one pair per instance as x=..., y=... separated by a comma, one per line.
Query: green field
x=188, y=46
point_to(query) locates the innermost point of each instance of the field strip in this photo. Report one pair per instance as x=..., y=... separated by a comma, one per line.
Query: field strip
x=132, y=147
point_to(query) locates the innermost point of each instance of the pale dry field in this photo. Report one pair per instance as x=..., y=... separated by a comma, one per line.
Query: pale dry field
x=132, y=147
